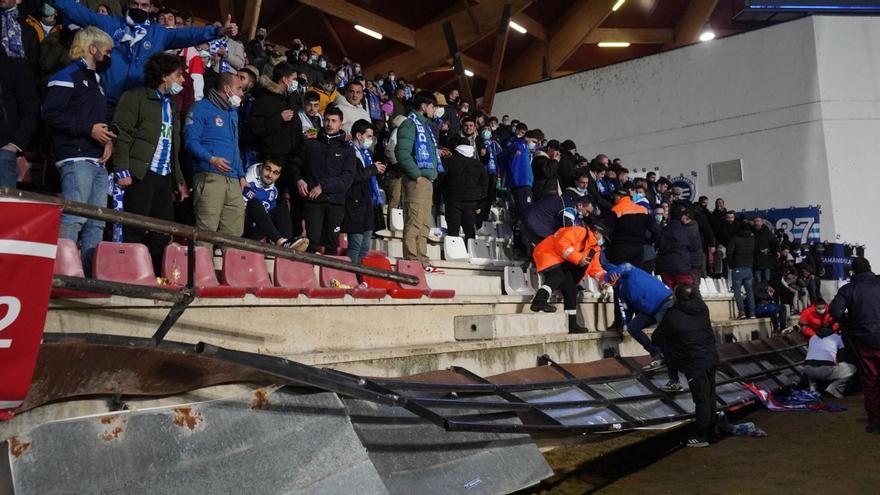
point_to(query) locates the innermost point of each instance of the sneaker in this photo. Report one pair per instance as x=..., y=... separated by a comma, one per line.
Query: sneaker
x=542, y=308
x=433, y=269
x=832, y=391
x=741, y=316
x=653, y=365
x=672, y=386
x=299, y=244
x=696, y=442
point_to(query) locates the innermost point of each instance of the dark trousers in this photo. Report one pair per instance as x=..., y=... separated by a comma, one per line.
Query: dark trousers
x=634, y=254
x=297, y=214
x=563, y=277
x=259, y=223
x=462, y=215
x=870, y=371
x=323, y=224
x=486, y=204
x=702, y=385
x=152, y=196
x=522, y=200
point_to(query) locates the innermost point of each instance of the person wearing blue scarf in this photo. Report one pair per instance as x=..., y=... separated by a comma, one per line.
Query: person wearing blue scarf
x=490, y=154
x=363, y=197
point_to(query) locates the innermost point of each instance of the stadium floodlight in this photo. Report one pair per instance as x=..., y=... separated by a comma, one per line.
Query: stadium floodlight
x=613, y=44
x=368, y=32
x=617, y=5
x=518, y=28
x=468, y=73
x=707, y=35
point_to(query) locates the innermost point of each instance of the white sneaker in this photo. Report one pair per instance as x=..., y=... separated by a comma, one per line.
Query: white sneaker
x=831, y=390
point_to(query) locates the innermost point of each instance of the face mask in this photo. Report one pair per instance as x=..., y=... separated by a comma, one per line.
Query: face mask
x=368, y=143
x=637, y=198
x=204, y=54
x=533, y=146
x=302, y=82
x=487, y=134
x=439, y=112
x=313, y=57
x=293, y=86
x=582, y=192
x=821, y=311
x=601, y=241
x=494, y=127
x=391, y=77
x=103, y=64
x=138, y=16
x=659, y=218
x=465, y=109
x=323, y=64
x=329, y=87
x=235, y=101
x=174, y=89
x=260, y=37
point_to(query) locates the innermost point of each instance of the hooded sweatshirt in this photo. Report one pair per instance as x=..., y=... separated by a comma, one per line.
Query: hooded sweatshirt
x=686, y=332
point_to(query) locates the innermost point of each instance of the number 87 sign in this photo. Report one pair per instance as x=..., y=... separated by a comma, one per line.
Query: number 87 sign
x=28, y=238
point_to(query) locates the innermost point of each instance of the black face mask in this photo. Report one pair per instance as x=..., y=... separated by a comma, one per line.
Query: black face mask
x=260, y=37
x=138, y=16
x=103, y=64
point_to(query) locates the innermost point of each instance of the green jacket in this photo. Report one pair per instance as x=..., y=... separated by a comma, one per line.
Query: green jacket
x=406, y=136
x=139, y=118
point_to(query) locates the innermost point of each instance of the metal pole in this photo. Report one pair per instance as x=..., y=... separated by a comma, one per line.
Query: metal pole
x=189, y=232
x=118, y=289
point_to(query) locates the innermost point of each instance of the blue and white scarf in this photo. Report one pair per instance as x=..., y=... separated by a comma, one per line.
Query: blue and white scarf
x=421, y=147
x=214, y=46
x=493, y=149
x=367, y=161
x=375, y=105
x=131, y=34
x=161, y=162
x=11, y=34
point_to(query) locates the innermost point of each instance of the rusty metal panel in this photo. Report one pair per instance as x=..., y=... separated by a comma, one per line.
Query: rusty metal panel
x=277, y=442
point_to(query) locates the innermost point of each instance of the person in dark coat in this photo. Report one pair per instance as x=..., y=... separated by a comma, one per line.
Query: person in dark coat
x=765, y=250
x=857, y=308
x=726, y=231
x=464, y=187
x=677, y=248
x=545, y=171
x=686, y=334
x=323, y=174
x=363, y=197
x=19, y=111
x=740, y=256
x=568, y=164
x=274, y=120
x=21, y=40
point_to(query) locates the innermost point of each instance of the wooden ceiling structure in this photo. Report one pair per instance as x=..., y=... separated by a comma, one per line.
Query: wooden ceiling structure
x=562, y=35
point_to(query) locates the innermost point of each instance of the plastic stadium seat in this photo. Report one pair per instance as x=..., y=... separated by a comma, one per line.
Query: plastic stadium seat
x=125, y=263
x=301, y=276
x=414, y=268
x=487, y=229
x=397, y=219
x=516, y=283
x=707, y=287
x=481, y=250
x=328, y=275
x=248, y=270
x=342, y=245
x=394, y=289
x=454, y=248
x=69, y=263
x=206, y=283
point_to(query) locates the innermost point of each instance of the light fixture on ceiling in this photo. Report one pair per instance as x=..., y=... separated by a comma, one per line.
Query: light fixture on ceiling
x=516, y=27
x=468, y=73
x=613, y=44
x=707, y=34
x=368, y=32
x=617, y=5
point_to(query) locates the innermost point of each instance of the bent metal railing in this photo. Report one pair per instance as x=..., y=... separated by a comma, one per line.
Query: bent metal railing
x=181, y=297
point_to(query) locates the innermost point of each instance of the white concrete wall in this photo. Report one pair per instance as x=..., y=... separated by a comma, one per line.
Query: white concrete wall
x=796, y=102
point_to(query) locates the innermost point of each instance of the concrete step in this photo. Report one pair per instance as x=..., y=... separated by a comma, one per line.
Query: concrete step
x=468, y=285
x=479, y=327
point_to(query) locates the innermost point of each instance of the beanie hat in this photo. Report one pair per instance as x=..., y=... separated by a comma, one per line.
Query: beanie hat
x=861, y=265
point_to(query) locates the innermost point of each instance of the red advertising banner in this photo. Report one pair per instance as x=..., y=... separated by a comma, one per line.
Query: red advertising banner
x=28, y=238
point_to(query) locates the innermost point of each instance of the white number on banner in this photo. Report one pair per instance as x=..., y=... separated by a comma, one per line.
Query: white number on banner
x=802, y=225
x=14, y=306
x=806, y=224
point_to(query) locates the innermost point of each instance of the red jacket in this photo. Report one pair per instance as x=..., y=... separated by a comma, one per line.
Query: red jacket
x=811, y=321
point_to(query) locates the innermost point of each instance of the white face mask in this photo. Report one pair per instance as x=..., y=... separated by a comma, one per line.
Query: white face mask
x=439, y=112
x=600, y=241
x=464, y=109
x=204, y=54
x=821, y=311
x=368, y=143
x=293, y=86
x=235, y=101
x=487, y=134
x=174, y=89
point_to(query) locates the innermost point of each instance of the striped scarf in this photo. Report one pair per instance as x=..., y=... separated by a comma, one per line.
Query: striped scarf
x=11, y=33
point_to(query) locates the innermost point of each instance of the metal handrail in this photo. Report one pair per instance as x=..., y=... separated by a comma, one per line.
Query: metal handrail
x=190, y=232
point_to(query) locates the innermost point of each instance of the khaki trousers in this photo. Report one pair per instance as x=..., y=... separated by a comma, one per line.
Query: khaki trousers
x=218, y=204
x=417, y=219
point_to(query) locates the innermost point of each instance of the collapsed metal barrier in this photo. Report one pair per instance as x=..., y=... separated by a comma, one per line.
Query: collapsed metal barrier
x=184, y=296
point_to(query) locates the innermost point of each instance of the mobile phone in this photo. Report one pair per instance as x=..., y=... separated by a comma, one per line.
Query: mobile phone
x=113, y=128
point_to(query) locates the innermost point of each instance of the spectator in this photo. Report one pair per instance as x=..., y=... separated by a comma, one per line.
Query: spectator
x=218, y=173
x=256, y=48
x=20, y=106
x=740, y=253
x=352, y=105
x=545, y=170
x=717, y=219
x=676, y=247
x=765, y=251
x=567, y=164
x=265, y=215
x=597, y=187
x=767, y=307
x=47, y=23
x=374, y=104
x=464, y=188
x=138, y=40
x=707, y=233
x=17, y=38
x=686, y=332
x=310, y=117
x=390, y=84
x=726, y=231
x=146, y=161
x=75, y=111
x=564, y=259
x=490, y=155
x=418, y=158
x=815, y=317
x=323, y=174
x=274, y=121
x=165, y=18
x=467, y=134
x=822, y=363
x=650, y=299
x=857, y=307
x=326, y=90
x=363, y=202
x=453, y=102
x=518, y=168
x=552, y=213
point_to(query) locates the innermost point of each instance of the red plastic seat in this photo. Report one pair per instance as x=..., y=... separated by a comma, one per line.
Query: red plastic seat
x=414, y=268
x=301, y=276
x=206, y=283
x=128, y=263
x=248, y=270
x=328, y=275
x=393, y=288
x=342, y=245
x=69, y=263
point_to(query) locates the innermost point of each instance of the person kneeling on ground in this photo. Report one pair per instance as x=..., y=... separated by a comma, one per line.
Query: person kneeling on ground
x=822, y=363
x=265, y=215
x=687, y=335
x=650, y=299
x=564, y=259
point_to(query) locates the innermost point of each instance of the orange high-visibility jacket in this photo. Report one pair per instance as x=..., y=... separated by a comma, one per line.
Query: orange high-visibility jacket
x=569, y=245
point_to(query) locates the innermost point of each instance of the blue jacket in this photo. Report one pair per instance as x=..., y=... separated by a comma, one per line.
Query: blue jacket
x=517, y=164
x=74, y=102
x=678, y=249
x=639, y=289
x=213, y=131
x=127, y=68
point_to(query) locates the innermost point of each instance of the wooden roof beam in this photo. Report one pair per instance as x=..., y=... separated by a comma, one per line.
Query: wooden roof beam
x=497, y=59
x=350, y=12
x=281, y=22
x=691, y=23
x=636, y=36
x=533, y=27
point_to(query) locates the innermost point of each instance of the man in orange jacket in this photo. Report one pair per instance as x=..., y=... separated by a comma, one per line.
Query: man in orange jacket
x=564, y=259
